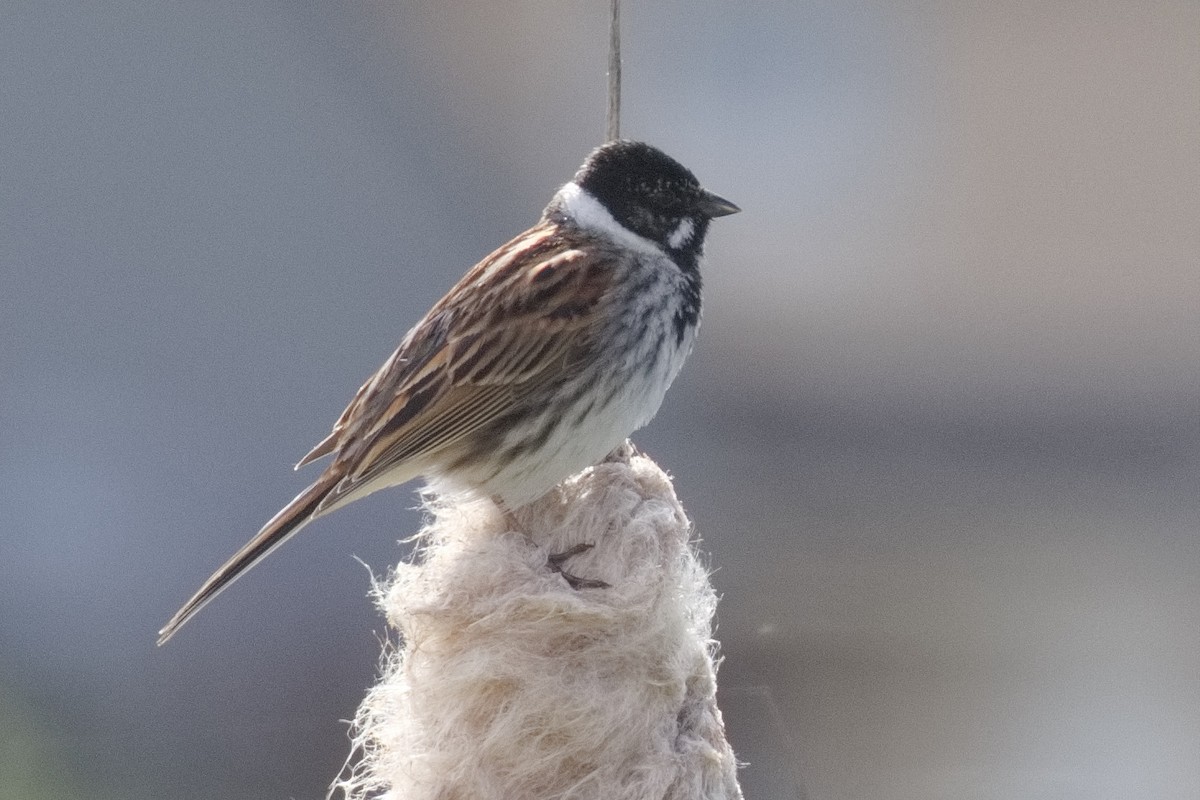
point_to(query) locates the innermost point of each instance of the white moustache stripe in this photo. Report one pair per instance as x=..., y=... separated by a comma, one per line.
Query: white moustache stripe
x=681, y=234
x=590, y=214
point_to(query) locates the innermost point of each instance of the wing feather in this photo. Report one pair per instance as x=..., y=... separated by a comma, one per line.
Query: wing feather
x=524, y=316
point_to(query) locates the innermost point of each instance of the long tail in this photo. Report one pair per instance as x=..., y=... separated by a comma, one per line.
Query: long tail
x=294, y=516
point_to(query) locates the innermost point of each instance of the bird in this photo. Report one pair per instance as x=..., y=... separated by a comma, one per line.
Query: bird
x=540, y=361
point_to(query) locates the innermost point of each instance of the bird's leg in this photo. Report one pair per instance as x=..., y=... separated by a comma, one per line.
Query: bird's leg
x=622, y=453
x=510, y=519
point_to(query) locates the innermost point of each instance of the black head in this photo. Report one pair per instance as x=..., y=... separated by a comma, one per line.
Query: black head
x=652, y=195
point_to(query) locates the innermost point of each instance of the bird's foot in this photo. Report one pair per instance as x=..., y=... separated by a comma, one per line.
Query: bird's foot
x=556, y=561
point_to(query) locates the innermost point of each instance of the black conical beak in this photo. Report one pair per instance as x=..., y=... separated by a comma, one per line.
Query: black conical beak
x=712, y=206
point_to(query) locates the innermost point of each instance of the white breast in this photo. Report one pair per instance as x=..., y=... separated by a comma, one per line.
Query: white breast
x=621, y=391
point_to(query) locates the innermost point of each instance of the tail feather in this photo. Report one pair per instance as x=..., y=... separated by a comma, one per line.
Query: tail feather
x=294, y=516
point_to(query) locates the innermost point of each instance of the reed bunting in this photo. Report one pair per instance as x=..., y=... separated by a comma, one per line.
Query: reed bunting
x=538, y=363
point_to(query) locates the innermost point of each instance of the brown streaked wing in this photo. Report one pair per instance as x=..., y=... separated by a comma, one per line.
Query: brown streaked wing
x=521, y=318
x=424, y=342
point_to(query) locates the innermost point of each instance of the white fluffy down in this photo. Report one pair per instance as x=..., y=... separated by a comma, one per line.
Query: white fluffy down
x=510, y=685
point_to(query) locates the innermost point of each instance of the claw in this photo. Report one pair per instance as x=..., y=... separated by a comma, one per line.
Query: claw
x=556, y=561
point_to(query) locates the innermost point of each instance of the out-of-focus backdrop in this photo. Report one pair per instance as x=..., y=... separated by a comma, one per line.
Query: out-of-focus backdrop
x=940, y=436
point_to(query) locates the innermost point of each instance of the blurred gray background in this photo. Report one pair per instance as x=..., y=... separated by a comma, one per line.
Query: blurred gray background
x=940, y=436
